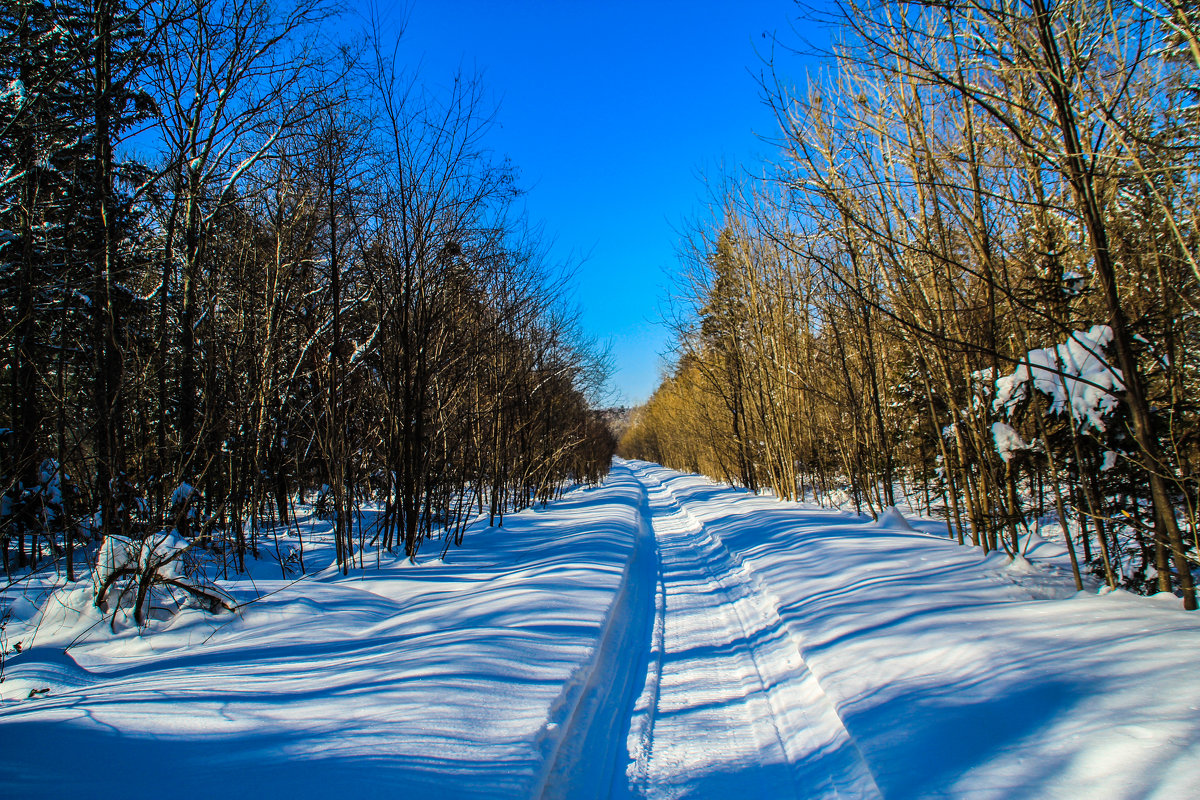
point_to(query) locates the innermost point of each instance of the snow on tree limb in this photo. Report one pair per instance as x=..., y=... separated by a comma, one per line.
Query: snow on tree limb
x=1073, y=374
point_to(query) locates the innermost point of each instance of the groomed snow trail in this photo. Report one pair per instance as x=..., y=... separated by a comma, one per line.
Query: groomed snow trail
x=808, y=652
x=729, y=708
x=657, y=637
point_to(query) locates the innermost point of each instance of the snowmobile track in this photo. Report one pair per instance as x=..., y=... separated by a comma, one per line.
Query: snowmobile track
x=729, y=706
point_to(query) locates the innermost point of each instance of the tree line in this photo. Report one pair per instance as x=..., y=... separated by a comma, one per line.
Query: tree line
x=969, y=282
x=245, y=262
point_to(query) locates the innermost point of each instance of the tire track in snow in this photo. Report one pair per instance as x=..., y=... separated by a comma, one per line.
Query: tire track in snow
x=729, y=706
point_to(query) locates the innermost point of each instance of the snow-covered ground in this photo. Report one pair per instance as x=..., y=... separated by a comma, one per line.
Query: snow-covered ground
x=440, y=680
x=948, y=673
x=659, y=636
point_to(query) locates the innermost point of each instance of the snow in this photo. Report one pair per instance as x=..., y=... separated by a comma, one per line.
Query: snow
x=118, y=552
x=1008, y=441
x=658, y=637
x=892, y=519
x=452, y=679
x=955, y=674
x=1073, y=375
x=183, y=493
x=14, y=92
x=729, y=708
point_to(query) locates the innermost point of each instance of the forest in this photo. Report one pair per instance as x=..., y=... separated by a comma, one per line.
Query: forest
x=307, y=486
x=249, y=258
x=968, y=281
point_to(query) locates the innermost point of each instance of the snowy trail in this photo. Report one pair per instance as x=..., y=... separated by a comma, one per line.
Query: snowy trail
x=712, y=716
x=927, y=669
x=729, y=707
x=657, y=637
x=589, y=752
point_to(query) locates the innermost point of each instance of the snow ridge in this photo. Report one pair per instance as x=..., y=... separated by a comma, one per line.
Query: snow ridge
x=593, y=706
x=640, y=741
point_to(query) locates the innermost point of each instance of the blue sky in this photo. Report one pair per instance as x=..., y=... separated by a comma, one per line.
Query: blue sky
x=613, y=112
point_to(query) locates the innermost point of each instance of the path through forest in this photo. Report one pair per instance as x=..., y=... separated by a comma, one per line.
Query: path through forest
x=729, y=708
x=659, y=636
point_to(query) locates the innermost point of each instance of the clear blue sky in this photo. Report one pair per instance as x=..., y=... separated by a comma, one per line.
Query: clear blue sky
x=613, y=111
